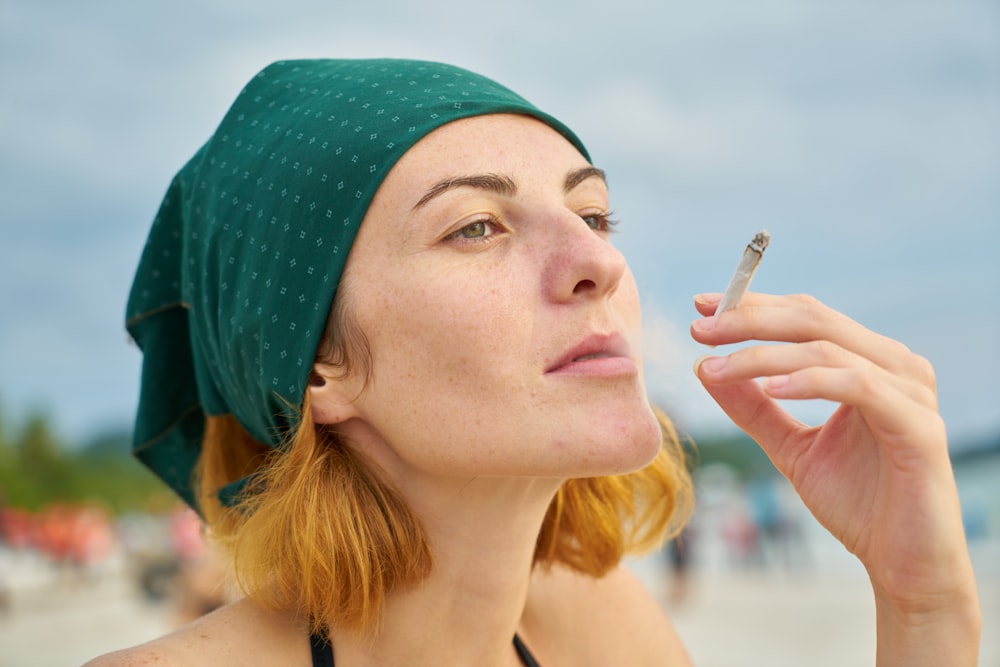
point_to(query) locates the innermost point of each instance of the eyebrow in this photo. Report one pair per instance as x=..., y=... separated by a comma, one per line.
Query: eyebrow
x=577, y=176
x=503, y=185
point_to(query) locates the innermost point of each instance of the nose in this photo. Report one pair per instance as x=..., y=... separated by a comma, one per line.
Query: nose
x=581, y=262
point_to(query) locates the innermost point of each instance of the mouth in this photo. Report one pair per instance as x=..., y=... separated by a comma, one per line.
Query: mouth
x=597, y=354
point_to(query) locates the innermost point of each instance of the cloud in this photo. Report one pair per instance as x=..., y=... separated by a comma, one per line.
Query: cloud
x=872, y=123
x=647, y=127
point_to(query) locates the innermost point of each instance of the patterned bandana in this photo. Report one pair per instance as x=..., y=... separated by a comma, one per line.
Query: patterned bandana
x=239, y=272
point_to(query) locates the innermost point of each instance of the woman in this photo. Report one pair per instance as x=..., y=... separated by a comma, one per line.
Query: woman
x=436, y=448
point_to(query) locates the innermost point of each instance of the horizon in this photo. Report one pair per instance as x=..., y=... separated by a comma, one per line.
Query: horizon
x=869, y=148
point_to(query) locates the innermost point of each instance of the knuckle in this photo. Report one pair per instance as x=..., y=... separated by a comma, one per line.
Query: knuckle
x=807, y=300
x=913, y=365
x=939, y=428
x=923, y=370
x=752, y=356
x=865, y=384
x=751, y=316
x=899, y=349
x=826, y=350
x=927, y=396
x=822, y=316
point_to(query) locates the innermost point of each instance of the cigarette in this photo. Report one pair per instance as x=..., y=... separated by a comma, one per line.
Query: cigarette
x=740, y=282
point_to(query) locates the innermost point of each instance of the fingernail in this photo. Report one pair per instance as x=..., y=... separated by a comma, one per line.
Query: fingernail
x=698, y=362
x=705, y=323
x=714, y=364
x=709, y=363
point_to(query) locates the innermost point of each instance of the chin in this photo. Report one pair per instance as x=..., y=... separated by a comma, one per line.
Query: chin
x=620, y=444
x=641, y=448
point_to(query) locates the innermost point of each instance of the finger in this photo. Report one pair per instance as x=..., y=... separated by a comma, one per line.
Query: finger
x=707, y=303
x=759, y=416
x=801, y=318
x=892, y=416
x=904, y=427
x=772, y=360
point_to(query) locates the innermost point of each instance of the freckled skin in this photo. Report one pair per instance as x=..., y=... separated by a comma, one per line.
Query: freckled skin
x=464, y=319
x=474, y=304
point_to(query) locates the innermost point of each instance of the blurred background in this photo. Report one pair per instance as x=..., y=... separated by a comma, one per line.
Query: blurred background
x=865, y=136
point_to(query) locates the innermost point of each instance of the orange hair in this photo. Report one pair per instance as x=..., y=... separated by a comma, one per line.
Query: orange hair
x=316, y=532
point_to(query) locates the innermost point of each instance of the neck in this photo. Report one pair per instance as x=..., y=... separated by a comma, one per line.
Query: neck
x=482, y=535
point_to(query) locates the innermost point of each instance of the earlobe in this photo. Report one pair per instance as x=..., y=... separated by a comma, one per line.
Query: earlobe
x=329, y=397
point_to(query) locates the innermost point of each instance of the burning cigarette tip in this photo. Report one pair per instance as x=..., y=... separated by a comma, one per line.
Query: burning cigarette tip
x=760, y=241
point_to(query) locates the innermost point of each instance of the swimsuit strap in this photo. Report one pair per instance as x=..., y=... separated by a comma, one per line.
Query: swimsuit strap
x=322, y=652
x=523, y=653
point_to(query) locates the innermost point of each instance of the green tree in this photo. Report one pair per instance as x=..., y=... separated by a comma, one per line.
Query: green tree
x=6, y=449
x=41, y=470
x=37, y=447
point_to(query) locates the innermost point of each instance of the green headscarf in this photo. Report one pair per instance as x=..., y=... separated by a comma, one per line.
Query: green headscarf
x=239, y=272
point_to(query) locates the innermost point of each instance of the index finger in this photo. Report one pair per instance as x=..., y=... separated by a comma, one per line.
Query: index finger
x=801, y=318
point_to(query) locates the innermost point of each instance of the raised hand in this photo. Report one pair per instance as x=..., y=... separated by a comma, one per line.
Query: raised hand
x=877, y=474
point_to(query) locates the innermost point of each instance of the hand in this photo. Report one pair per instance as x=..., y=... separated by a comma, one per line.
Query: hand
x=877, y=474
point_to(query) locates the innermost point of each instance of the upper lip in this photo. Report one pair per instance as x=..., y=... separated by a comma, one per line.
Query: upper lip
x=604, y=345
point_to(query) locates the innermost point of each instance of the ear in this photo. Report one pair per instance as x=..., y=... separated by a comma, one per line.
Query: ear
x=332, y=397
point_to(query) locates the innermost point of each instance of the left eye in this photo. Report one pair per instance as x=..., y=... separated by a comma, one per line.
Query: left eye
x=600, y=222
x=476, y=230
x=479, y=230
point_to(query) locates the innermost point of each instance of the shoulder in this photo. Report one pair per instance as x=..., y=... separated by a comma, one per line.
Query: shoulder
x=157, y=652
x=240, y=633
x=603, y=620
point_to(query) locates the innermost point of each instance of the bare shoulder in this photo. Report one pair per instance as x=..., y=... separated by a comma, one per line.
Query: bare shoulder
x=240, y=633
x=157, y=652
x=610, y=620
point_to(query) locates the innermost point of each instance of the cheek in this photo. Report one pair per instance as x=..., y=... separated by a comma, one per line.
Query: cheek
x=444, y=331
x=445, y=362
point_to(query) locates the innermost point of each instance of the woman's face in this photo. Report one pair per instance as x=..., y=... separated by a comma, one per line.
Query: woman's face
x=503, y=325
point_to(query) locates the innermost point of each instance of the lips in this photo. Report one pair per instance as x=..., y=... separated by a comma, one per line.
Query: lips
x=598, y=354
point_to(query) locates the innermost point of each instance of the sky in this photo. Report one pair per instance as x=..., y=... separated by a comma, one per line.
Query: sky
x=865, y=136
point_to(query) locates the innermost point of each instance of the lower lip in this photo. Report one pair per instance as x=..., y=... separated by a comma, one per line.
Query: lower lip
x=598, y=367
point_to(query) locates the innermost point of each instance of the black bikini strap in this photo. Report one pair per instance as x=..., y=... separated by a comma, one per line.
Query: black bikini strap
x=523, y=653
x=322, y=651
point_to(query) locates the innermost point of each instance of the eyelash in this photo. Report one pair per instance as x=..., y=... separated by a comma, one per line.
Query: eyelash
x=604, y=221
x=490, y=222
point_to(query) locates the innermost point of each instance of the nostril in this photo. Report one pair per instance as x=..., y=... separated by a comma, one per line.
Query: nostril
x=584, y=286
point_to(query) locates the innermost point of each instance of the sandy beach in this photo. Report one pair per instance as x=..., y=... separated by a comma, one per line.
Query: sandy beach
x=728, y=618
